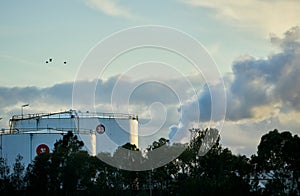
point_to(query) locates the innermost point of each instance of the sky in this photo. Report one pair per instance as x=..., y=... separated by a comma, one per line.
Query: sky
x=255, y=45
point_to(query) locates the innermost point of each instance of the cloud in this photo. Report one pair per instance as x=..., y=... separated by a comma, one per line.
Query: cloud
x=211, y=98
x=154, y=102
x=291, y=40
x=59, y=97
x=266, y=16
x=262, y=94
x=111, y=8
x=257, y=89
x=262, y=88
x=269, y=82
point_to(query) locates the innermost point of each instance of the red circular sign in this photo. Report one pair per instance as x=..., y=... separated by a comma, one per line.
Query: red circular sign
x=100, y=128
x=42, y=148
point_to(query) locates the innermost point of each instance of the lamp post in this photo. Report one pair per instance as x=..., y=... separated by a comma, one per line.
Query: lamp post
x=25, y=105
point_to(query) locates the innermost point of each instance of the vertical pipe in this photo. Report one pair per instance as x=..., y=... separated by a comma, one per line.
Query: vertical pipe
x=77, y=121
x=134, y=137
x=1, y=146
x=93, y=142
x=31, y=135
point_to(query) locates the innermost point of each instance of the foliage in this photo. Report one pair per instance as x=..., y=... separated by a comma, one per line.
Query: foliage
x=278, y=163
x=4, y=175
x=69, y=170
x=17, y=177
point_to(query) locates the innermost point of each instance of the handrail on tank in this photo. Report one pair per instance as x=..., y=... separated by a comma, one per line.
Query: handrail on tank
x=107, y=115
x=37, y=115
x=75, y=113
x=49, y=130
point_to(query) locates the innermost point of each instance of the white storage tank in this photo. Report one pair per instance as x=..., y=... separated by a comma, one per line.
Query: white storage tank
x=27, y=145
x=33, y=133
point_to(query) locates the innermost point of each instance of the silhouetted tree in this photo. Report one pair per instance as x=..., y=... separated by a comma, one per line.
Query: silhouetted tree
x=204, y=167
x=38, y=174
x=277, y=164
x=5, y=184
x=17, y=177
x=66, y=170
x=215, y=172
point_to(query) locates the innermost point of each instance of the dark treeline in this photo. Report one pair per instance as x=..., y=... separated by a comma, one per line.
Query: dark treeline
x=68, y=170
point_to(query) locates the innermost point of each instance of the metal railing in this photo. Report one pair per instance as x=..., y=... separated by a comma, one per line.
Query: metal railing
x=39, y=115
x=107, y=115
x=74, y=114
x=47, y=131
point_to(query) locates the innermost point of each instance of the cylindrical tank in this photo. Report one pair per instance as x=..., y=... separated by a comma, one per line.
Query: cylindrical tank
x=28, y=145
x=31, y=134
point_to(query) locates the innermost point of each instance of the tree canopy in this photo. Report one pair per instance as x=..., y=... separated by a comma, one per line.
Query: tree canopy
x=69, y=170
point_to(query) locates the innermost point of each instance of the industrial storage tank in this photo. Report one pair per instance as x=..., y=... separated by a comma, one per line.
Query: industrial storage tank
x=31, y=134
x=28, y=145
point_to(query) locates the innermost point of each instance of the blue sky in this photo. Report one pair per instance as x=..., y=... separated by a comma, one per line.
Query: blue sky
x=248, y=40
x=33, y=31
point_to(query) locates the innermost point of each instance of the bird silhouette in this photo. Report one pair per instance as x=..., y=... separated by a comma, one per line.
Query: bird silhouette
x=50, y=60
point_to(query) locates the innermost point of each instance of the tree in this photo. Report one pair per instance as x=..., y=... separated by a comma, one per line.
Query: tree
x=128, y=157
x=17, y=177
x=64, y=173
x=162, y=178
x=38, y=174
x=68, y=169
x=277, y=163
x=216, y=172
x=68, y=145
x=4, y=176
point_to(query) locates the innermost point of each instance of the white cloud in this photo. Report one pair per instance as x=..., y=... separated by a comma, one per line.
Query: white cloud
x=240, y=138
x=264, y=16
x=110, y=7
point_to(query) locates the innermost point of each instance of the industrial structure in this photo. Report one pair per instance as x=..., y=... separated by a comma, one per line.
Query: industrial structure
x=32, y=134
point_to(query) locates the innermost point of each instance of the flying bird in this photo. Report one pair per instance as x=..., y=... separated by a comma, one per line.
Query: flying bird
x=50, y=60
